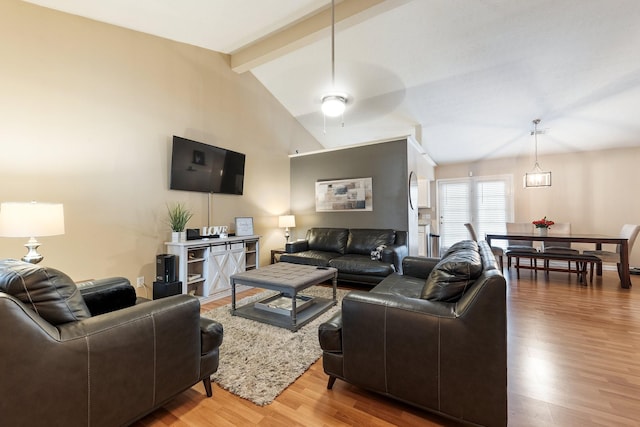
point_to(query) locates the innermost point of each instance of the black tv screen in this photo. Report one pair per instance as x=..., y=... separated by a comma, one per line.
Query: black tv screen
x=201, y=167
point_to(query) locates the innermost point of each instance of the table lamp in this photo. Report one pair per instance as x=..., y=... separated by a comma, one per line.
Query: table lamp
x=31, y=219
x=286, y=221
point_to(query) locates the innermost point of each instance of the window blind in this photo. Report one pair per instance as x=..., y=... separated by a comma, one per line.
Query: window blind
x=485, y=202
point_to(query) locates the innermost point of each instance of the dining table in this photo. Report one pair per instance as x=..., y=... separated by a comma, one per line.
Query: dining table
x=597, y=239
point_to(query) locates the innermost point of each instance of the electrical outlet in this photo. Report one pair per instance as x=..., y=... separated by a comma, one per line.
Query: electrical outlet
x=140, y=282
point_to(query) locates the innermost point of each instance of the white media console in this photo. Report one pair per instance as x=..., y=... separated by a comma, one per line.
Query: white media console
x=205, y=265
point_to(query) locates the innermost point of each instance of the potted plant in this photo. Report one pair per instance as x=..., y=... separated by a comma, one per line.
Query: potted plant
x=178, y=218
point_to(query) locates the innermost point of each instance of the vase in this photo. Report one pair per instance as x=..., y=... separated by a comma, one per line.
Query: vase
x=182, y=236
x=175, y=237
x=542, y=231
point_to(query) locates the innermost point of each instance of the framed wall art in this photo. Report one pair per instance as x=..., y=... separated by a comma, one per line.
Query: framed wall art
x=244, y=226
x=353, y=194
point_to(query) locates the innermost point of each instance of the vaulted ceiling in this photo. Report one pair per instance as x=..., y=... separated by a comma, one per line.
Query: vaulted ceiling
x=466, y=77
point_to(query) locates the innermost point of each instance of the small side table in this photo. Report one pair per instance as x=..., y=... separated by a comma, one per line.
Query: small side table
x=275, y=254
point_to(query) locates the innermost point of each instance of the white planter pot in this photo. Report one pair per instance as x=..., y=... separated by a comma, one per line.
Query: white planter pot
x=542, y=231
x=175, y=237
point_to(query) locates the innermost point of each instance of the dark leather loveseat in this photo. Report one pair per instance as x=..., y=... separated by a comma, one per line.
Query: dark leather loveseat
x=435, y=337
x=349, y=250
x=89, y=355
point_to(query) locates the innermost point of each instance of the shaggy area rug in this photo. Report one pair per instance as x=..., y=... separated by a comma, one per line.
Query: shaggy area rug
x=259, y=361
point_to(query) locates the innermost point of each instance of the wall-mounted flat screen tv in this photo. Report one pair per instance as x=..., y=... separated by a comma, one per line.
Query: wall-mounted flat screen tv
x=201, y=167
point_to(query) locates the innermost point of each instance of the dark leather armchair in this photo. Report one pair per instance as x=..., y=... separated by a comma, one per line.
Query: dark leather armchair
x=94, y=354
x=409, y=338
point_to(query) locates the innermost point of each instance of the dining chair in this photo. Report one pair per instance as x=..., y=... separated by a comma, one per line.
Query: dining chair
x=498, y=252
x=561, y=248
x=520, y=248
x=629, y=232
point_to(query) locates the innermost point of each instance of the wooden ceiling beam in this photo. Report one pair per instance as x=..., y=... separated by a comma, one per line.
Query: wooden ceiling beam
x=308, y=30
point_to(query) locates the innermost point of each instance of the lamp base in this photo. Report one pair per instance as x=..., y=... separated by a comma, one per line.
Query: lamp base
x=286, y=234
x=32, y=255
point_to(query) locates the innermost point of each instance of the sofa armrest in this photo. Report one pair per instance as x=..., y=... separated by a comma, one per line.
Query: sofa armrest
x=330, y=334
x=106, y=295
x=356, y=301
x=394, y=254
x=419, y=266
x=211, y=334
x=297, y=246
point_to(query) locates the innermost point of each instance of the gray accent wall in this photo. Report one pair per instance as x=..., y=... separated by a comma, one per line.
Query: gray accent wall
x=385, y=163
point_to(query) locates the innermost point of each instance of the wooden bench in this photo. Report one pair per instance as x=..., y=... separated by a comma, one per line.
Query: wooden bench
x=581, y=260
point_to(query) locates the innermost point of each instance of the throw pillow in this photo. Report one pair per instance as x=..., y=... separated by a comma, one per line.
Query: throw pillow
x=451, y=277
x=47, y=291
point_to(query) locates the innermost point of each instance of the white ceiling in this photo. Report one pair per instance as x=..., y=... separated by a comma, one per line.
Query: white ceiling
x=470, y=75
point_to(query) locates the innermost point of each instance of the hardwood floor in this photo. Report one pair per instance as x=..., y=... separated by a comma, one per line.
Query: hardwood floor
x=574, y=360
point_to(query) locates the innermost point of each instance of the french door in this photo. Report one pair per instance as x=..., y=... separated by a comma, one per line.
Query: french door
x=485, y=202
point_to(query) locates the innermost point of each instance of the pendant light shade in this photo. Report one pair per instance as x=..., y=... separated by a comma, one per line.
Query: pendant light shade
x=537, y=177
x=333, y=105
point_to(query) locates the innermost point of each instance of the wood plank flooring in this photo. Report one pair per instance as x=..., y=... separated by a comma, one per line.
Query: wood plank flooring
x=574, y=360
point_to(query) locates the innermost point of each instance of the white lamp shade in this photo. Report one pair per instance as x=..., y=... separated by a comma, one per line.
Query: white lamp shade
x=286, y=221
x=333, y=105
x=31, y=219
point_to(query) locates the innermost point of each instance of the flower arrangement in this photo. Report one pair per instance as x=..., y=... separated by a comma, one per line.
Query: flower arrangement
x=543, y=223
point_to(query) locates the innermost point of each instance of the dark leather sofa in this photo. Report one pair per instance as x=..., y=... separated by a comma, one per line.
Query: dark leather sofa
x=434, y=337
x=94, y=354
x=349, y=251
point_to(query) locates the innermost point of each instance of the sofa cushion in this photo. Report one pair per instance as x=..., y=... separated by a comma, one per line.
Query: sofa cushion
x=401, y=285
x=317, y=258
x=47, y=291
x=328, y=239
x=362, y=240
x=451, y=277
x=361, y=264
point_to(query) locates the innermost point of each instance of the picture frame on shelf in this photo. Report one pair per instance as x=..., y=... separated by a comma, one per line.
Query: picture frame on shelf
x=244, y=226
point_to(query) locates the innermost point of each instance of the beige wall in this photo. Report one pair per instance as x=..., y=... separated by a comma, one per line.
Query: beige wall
x=88, y=111
x=595, y=191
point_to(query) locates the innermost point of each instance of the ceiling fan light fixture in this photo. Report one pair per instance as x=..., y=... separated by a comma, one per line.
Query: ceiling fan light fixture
x=333, y=105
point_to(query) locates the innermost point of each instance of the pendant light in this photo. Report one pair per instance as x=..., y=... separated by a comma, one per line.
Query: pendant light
x=537, y=177
x=333, y=104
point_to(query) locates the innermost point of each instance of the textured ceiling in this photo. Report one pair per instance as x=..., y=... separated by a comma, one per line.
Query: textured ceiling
x=467, y=77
